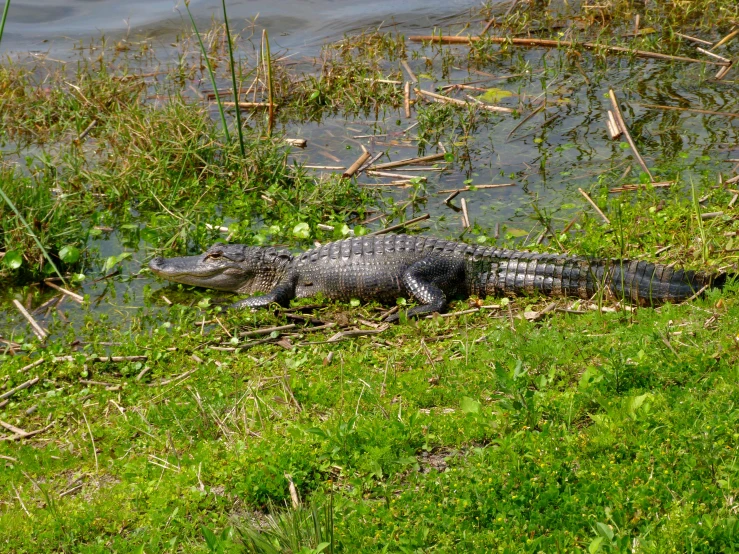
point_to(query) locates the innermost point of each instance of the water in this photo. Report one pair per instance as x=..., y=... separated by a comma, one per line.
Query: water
x=53, y=26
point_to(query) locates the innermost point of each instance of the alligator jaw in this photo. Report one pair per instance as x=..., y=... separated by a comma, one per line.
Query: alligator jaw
x=200, y=271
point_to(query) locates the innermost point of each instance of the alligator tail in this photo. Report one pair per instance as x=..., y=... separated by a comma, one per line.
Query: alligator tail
x=653, y=284
x=515, y=272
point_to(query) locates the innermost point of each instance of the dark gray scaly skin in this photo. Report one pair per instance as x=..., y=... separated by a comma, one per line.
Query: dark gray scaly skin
x=430, y=270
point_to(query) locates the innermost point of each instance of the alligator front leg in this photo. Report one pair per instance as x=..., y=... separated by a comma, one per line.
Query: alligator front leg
x=281, y=294
x=427, y=280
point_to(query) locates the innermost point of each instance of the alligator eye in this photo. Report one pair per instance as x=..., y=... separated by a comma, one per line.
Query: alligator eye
x=213, y=255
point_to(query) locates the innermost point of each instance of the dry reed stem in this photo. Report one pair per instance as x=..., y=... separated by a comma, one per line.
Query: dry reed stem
x=465, y=215
x=20, y=387
x=709, y=53
x=487, y=27
x=356, y=165
x=457, y=102
x=557, y=43
x=407, y=99
x=595, y=206
x=408, y=161
x=399, y=225
x=373, y=173
x=39, y=331
x=409, y=71
x=639, y=186
x=627, y=135
x=679, y=109
x=31, y=365
x=73, y=295
x=246, y=105
x=613, y=128
x=26, y=435
x=267, y=330
x=726, y=39
x=452, y=196
x=475, y=187
x=694, y=39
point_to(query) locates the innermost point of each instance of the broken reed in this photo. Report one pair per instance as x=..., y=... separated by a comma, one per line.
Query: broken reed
x=549, y=43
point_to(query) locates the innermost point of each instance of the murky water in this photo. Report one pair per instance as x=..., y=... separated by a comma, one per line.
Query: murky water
x=53, y=26
x=561, y=148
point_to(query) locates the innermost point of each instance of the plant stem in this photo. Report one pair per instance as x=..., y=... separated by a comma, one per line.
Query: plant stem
x=697, y=208
x=268, y=60
x=9, y=202
x=233, y=82
x=5, y=16
x=210, y=72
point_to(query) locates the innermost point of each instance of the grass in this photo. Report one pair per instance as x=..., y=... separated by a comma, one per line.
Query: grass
x=587, y=430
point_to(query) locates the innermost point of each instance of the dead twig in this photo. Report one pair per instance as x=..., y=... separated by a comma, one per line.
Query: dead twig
x=694, y=39
x=614, y=130
x=180, y=377
x=87, y=130
x=73, y=295
x=726, y=39
x=408, y=161
x=679, y=109
x=356, y=165
x=26, y=435
x=20, y=387
x=549, y=43
x=697, y=294
x=524, y=120
x=595, y=206
x=476, y=187
x=465, y=215
x=409, y=71
x=627, y=135
x=639, y=186
x=407, y=99
x=31, y=366
x=267, y=330
x=399, y=225
x=357, y=333
x=394, y=175
x=39, y=331
x=457, y=102
x=246, y=105
x=112, y=359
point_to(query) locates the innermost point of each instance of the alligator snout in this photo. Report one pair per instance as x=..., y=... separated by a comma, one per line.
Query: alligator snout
x=156, y=264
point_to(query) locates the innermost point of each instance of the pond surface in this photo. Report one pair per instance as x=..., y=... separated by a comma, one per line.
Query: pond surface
x=55, y=25
x=562, y=147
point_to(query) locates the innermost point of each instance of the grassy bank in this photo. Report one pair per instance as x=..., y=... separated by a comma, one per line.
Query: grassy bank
x=526, y=426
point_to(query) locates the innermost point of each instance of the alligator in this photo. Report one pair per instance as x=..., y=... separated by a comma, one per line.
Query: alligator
x=430, y=270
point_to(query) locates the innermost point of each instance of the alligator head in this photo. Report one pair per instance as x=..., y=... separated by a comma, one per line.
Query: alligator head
x=230, y=267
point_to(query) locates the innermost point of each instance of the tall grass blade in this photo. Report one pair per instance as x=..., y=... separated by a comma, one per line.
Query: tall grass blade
x=233, y=81
x=10, y=204
x=5, y=16
x=701, y=228
x=267, y=57
x=210, y=72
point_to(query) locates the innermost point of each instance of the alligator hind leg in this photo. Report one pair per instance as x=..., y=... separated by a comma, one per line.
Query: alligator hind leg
x=428, y=281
